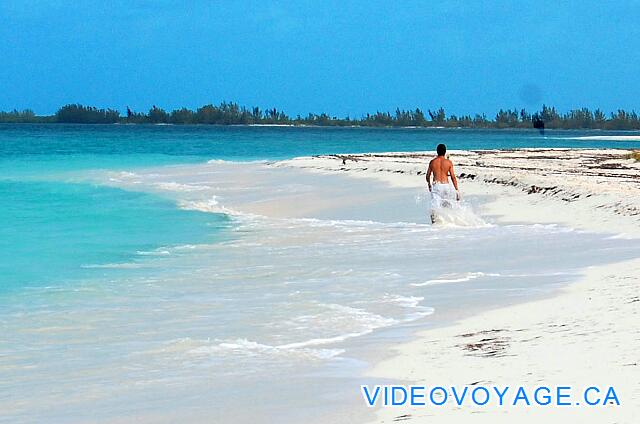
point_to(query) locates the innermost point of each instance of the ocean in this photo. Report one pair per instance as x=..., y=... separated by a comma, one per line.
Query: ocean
x=165, y=273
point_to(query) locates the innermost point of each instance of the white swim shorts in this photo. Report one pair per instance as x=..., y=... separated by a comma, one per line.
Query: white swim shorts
x=442, y=196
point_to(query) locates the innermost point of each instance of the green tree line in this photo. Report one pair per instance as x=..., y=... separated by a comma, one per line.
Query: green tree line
x=230, y=113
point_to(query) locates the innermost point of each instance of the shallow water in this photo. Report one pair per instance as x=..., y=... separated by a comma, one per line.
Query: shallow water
x=137, y=286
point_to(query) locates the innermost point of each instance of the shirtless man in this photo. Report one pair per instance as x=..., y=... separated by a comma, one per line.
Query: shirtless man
x=441, y=194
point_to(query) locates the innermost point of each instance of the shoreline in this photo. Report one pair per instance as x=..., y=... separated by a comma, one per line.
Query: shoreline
x=581, y=334
x=359, y=286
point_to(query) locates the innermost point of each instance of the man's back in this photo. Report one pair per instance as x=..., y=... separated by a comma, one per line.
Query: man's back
x=440, y=168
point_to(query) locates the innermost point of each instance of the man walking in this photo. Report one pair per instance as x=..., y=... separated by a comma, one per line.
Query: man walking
x=441, y=194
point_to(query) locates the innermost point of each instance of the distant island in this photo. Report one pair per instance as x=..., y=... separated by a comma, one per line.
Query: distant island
x=229, y=113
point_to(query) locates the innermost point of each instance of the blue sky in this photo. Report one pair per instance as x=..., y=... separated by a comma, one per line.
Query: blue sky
x=343, y=57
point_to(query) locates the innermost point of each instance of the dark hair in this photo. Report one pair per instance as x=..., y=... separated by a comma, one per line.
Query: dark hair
x=441, y=149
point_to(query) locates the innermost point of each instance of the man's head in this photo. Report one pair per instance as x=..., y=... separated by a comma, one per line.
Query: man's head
x=441, y=149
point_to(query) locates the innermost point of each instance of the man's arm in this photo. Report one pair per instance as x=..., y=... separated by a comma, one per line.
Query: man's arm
x=454, y=180
x=429, y=176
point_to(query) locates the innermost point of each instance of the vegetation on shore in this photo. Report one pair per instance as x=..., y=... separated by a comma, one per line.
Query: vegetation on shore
x=233, y=114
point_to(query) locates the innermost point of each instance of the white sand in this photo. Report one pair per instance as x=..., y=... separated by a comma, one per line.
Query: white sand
x=589, y=334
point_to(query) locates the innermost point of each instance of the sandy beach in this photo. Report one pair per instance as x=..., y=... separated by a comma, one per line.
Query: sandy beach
x=293, y=282
x=586, y=334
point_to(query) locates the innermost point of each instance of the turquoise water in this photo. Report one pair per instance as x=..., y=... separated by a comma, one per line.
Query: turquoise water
x=132, y=286
x=50, y=228
x=102, y=225
x=54, y=232
x=178, y=143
